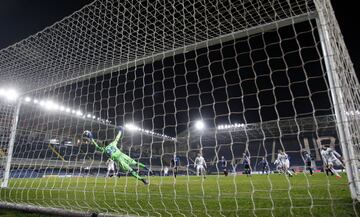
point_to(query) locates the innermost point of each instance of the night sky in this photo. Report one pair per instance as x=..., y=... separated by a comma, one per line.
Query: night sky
x=20, y=19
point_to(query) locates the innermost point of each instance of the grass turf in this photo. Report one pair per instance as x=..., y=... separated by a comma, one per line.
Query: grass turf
x=258, y=195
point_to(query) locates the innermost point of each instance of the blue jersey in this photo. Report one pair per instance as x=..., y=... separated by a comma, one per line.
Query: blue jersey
x=246, y=160
x=175, y=161
x=307, y=157
x=264, y=163
x=223, y=163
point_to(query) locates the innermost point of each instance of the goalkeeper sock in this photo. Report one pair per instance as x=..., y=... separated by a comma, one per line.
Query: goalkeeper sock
x=136, y=175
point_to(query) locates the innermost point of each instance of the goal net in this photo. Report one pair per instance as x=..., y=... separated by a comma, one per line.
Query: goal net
x=259, y=89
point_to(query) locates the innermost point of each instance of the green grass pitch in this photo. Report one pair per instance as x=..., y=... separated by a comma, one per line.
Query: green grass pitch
x=258, y=195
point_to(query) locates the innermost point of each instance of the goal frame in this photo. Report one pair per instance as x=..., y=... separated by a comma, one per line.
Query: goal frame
x=331, y=72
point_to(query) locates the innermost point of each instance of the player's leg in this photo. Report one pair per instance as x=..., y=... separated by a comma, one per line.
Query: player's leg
x=203, y=171
x=107, y=172
x=127, y=168
x=333, y=171
x=287, y=170
x=326, y=168
x=309, y=168
x=197, y=170
x=225, y=172
x=113, y=170
x=134, y=163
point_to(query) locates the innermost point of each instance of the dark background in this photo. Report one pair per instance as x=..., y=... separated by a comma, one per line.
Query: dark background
x=22, y=18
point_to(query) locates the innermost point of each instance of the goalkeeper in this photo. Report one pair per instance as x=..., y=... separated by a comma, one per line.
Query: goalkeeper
x=124, y=161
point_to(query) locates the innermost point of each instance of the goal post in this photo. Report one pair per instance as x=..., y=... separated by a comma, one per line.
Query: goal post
x=206, y=108
x=10, y=148
x=332, y=41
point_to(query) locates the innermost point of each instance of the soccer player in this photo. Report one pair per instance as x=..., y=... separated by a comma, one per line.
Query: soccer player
x=330, y=157
x=246, y=163
x=284, y=162
x=124, y=162
x=224, y=165
x=264, y=165
x=175, y=163
x=200, y=165
x=110, y=167
x=307, y=159
x=278, y=166
x=166, y=171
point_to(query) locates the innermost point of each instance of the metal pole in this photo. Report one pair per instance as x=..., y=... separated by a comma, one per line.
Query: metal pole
x=339, y=108
x=56, y=211
x=10, y=148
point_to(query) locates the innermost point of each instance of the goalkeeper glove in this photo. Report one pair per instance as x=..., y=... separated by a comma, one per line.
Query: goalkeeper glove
x=120, y=128
x=88, y=134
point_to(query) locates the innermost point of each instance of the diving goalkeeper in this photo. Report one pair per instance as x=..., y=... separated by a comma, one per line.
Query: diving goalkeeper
x=124, y=162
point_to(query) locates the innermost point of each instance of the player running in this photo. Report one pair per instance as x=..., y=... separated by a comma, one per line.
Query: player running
x=223, y=163
x=331, y=157
x=200, y=165
x=284, y=163
x=246, y=163
x=278, y=166
x=175, y=163
x=264, y=166
x=124, y=162
x=307, y=159
x=110, y=168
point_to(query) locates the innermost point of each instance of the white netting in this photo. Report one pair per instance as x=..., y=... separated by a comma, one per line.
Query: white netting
x=239, y=79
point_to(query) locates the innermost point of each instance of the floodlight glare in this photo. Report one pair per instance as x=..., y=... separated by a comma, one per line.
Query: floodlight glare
x=199, y=125
x=27, y=99
x=131, y=127
x=79, y=113
x=48, y=105
x=11, y=94
x=88, y=115
x=68, y=110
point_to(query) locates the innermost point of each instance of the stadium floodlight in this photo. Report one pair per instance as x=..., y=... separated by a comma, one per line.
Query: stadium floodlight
x=10, y=94
x=199, y=125
x=68, y=110
x=79, y=113
x=49, y=105
x=94, y=117
x=88, y=115
x=131, y=127
x=27, y=99
x=62, y=108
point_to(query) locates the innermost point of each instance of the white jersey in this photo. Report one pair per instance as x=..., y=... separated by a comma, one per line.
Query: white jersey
x=330, y=155
x=111, y=164
x=282, y=158
x=200, y=161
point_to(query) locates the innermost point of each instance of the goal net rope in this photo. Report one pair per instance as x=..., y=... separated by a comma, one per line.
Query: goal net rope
x=236, y=82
